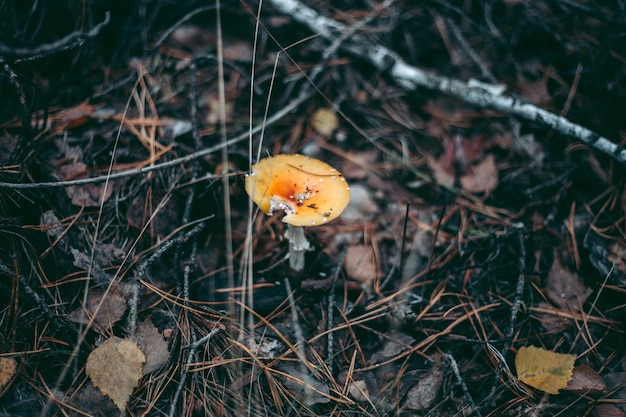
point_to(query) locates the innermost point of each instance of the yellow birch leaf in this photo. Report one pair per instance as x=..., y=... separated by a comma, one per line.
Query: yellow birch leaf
x=115, y=368
x=7, y=371
x=324, y=121
x=544, y=370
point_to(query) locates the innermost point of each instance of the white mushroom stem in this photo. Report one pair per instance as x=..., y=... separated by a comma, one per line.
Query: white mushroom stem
x=298, y=245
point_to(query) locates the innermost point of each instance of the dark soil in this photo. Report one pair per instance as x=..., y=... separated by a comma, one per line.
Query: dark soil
x=471, y=232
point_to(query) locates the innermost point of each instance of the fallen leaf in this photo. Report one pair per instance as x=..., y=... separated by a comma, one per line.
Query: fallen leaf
x=216, y=107
x=423, y=394
x=324, y=121
x=481, y=177
x=617, y=255
x=360, y=263
x=358, y=391
x=312, y=390
x=153, y=346
x=91, y=401
x=8, y=367
x=72, y=117
x=115, y=368
x=111, y=311
x=585, y=381
x=443, y=168
x=565, y=288
x=544, y=370
x=608, y=410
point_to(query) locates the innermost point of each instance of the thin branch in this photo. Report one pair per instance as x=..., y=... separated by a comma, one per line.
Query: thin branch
x=71, y=40
x=473, y=92
x=169, y=164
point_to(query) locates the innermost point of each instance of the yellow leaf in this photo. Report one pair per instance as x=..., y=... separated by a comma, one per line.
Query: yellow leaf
x=542, y=369
x=7, y=371
x=115, y=368
x=324, y=121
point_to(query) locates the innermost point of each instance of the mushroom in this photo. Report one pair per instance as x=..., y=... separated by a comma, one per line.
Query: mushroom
x=308, y=191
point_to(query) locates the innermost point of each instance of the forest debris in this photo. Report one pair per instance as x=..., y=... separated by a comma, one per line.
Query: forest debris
x=111, y=311
x=608, y=410
x=311, y=390
x=324, y=121
x=362, y=206
x=88, y=398
x=482, y=177
x=617, y=255
x=422, y=395
x=8, y=367
x=585, y=381
x=115, y=368
x=153, y=346
x=358, y=165
x=565, y=288
x=394, y=345
x=462, y=158
x=544, y=370
x=360, y=264
x=361, y=386
x=216, y=107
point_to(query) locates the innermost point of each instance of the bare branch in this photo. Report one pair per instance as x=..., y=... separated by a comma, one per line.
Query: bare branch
x=474, y=92
x=70, y=40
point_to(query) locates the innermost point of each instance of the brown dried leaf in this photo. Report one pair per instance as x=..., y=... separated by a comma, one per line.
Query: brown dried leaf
x=585, y=381
x=88, y=195
x=313, y=390
x=153, y=345
x=359, y=391
x=360, y=263
x=8, y=367
x=90, y=400
x=481, y=177
x=608, y=410
x=423, y=394
x=617, y=255
x=565, y=288
x=111, y=311
x=443, y=168
x=115, y=368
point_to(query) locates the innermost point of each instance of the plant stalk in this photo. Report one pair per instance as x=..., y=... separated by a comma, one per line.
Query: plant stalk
x=298, y=245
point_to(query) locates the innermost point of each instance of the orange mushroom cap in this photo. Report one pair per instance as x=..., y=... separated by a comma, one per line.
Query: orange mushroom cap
x=310, y=192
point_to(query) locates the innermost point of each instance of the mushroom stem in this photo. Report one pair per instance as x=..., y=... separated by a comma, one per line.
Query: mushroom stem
x=298, y=245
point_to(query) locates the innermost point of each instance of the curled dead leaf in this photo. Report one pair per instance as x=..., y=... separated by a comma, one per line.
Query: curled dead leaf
x=585, y=381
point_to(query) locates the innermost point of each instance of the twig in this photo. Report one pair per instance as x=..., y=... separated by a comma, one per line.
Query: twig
x=179, y=240
x=474, y=92
x=517, y=304
x=463, y=385
x=19, y=89
x=74, y=38
x=6, y=270
x=179, y=23
x=330, y=349
x=195, y=131
x=469, y=51
x=169, y=164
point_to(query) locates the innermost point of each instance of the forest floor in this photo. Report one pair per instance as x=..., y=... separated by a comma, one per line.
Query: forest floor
x=479, y=269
